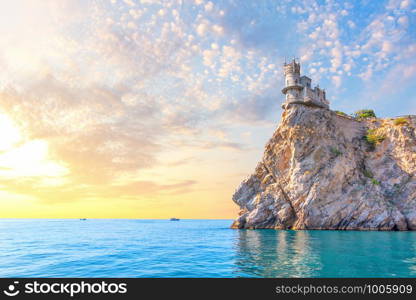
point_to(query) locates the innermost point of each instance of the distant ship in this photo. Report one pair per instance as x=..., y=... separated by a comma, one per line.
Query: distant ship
x=83, y=219
x=174, y=219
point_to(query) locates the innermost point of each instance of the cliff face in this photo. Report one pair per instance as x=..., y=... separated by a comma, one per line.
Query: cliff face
x=318, y=172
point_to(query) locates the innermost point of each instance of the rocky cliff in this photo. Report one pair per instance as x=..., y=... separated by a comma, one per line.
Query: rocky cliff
x=322, y=170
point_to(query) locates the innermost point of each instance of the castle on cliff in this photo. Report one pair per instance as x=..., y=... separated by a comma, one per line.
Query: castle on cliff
x=298, y=88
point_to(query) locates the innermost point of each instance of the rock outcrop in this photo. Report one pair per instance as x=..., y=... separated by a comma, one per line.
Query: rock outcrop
x=319, y=172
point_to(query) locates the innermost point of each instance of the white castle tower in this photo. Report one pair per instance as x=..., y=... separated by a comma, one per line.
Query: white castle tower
x=298, y=88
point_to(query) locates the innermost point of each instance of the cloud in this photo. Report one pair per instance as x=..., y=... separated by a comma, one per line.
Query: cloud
x=253, y=109
x=201, y=29
x=84, y=123
x=230, y=61
x=209, y=6
x=113, y=88
x=404, y=4
x=388, y=85
x=217, y=29
x=129, y=2
x=345, y=48
x=209, y=57
x=337, y=81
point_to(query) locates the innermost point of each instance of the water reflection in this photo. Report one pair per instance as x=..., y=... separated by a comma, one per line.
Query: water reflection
x=269, y=253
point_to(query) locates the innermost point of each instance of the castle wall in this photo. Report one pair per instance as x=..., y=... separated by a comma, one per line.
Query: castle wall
x=298, y=89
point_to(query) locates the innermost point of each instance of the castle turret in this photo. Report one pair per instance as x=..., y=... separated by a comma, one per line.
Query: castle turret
x=292, y=87
x=298, y=90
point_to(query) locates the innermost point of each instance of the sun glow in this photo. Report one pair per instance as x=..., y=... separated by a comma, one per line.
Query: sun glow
x=10, y=134
x=24, y=158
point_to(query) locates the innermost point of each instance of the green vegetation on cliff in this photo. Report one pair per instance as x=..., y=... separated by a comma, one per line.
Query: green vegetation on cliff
x=400, y=121
x=374, y=137
x=364, y=114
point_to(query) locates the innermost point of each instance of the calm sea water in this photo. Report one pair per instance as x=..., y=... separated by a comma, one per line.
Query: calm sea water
x=196, y=248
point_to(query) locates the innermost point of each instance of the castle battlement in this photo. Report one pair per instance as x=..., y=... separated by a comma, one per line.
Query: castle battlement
x=298, y=89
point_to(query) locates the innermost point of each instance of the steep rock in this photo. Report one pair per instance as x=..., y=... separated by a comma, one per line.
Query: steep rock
x=318, y=172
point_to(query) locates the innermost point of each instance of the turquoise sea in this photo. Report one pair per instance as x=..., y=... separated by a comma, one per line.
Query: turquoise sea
x=196, y=248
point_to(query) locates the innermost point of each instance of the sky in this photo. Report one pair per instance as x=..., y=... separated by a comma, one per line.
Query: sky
x=158, y=109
